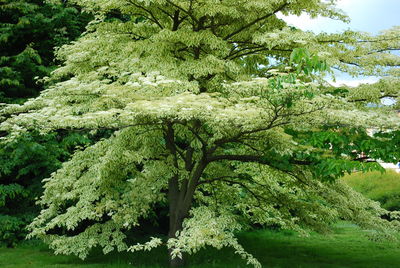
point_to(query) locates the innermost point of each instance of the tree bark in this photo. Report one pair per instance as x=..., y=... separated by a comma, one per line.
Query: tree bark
x=176, y=217
x=174, y=227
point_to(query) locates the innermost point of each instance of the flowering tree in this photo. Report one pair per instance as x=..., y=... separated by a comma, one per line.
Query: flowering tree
x=220, y=110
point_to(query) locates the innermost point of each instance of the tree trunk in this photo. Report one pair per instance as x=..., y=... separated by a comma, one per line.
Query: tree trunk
x=180, y=194
x=180, y=202
x=176, y=218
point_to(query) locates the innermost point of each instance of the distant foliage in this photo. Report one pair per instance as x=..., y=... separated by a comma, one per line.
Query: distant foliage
x=23, y=165
x=382, y=187
x=29, y=32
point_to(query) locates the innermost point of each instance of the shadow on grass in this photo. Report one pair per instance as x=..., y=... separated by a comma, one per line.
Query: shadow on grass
x=346, y=247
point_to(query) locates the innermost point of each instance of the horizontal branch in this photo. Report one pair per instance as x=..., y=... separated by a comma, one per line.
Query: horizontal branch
x=252, y=158
x=359, y=41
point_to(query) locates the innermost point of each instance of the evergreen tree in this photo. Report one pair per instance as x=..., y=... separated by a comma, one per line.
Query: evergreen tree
x=24, y=163
x=29, y=32
x=219, y=110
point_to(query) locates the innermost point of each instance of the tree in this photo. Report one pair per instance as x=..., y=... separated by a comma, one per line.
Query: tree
x=219, y=110
x=29, y=31
x=24, y=163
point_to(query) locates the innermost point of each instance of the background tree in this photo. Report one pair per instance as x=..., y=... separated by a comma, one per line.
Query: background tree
x=221, y=112
x=24, y=163
x=29, y=33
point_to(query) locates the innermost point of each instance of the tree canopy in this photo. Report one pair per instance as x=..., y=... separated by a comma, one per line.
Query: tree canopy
x=220, y=110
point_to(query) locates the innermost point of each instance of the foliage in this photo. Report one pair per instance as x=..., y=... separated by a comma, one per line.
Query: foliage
x=24, y=163
x=219, y=110
x=29, y=31
x=381, y=187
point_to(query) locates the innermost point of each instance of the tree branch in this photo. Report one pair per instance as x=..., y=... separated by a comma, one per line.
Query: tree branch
x=153, y=18
x=252, y=158
x=255, y=21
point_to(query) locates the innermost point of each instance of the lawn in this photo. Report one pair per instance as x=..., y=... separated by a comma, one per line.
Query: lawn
x=382, y=187
x=347, y=246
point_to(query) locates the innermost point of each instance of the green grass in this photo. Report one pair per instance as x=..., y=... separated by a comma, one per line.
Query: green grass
x=382, y=187
x=347, y=246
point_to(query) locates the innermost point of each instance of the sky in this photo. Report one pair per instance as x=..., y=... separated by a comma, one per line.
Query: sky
x=370, y=16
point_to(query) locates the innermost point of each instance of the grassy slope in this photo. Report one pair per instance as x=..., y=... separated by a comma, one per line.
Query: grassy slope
x=346, y=247
x=382, y=187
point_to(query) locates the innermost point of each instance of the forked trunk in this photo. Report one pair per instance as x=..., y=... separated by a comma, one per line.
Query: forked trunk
x=180, y=193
